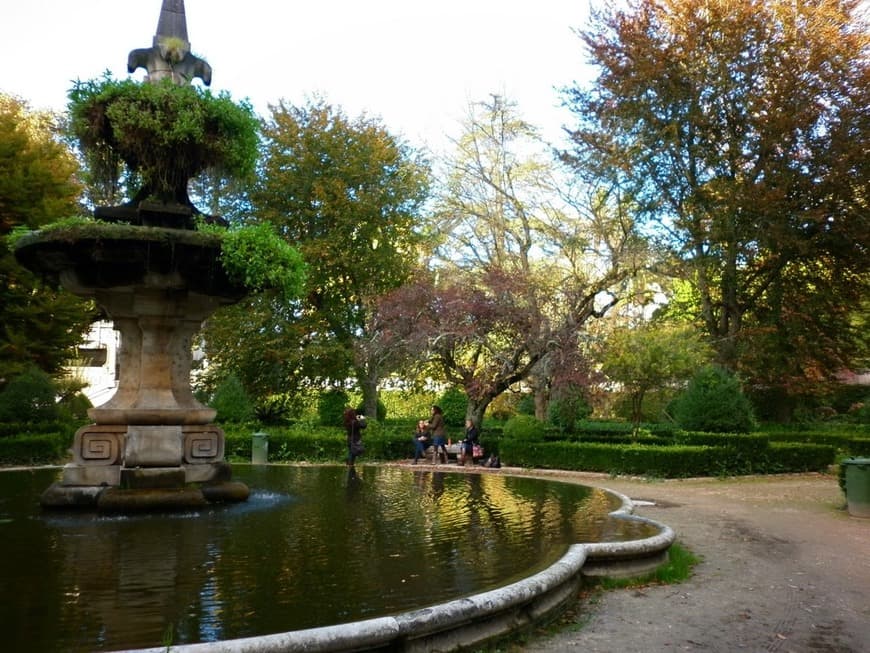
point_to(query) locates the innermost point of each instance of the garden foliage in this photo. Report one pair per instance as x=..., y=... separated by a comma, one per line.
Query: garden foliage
x=714, y=402
x=29, y=397
x=232, y=402
x=330, y=407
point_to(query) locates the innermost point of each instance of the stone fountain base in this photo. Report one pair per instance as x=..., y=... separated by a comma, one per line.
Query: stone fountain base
x=126, y=468
x=132, y=500
x=152, y=446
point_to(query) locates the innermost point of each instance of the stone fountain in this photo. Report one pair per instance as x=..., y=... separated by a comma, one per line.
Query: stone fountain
x=152, y=446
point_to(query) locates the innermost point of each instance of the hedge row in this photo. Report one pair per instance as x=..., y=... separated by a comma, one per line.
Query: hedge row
x=854, y=443
x=327, y=444
x=678, y=461
x=692, y=454
x=15, y=429
x=40, y=449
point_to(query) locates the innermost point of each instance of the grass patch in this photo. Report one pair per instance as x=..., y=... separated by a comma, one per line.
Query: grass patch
x=677, y=569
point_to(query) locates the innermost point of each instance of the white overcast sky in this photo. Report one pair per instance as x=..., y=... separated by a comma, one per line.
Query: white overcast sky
x=416, y=65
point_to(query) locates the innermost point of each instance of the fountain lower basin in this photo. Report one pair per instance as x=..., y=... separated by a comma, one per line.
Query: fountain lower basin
x=317, y=559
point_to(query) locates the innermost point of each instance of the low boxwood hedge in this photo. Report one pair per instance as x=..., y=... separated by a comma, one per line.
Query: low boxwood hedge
x=37, y=449
x=686, y=454
x=677, y=461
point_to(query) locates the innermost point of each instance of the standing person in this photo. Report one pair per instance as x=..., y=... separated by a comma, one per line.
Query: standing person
x=467, y=453
x=436, y=428
x=353, y=425
x=421, y=440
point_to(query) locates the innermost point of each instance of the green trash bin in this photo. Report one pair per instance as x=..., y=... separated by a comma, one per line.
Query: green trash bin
x=259, y=448
x=858, y=486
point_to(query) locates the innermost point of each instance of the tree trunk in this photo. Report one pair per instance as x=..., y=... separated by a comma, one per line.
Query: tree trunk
x=542, y=402
x=369, y=388
x=476, y=408
x=541, y=392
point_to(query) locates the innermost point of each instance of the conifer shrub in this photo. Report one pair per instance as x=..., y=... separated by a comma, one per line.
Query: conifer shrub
x=231, y=401
x=75, y=407
x=330, y=407
x=714, y=402
x=526, y=405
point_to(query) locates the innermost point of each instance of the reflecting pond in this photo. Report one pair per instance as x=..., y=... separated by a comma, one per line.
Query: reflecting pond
x=314, y=545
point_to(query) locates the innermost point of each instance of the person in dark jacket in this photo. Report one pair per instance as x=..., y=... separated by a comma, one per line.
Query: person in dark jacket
x=353, y=425
x=437, y=429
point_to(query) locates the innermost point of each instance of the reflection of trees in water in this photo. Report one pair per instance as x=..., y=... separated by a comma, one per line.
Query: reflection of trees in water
x=137, y=577
x=321, y=545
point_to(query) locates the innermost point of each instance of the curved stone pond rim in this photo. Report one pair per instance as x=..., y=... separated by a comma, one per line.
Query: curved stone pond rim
x=473, y=620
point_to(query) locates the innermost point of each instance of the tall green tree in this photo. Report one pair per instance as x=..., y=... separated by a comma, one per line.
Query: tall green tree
x=39, y=325
x=651, y=356
x=740, y=129
x=347, y=194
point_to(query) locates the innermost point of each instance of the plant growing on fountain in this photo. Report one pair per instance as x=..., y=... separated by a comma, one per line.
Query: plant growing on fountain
x=163, y=132
x=258, y=258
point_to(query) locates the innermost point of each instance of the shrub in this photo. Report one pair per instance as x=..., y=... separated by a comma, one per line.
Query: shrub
x=37, y=449
x=401, y=404
x=526, y=405
x=567, y=410
x=454, y=404
x=232, y=402
x=714, y=402
x=860, y=411
x=29, y=397
x=330, y=407
x=524, y=427
x=272, y=409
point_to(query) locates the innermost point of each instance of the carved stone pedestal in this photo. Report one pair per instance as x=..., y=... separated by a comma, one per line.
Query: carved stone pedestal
x=152, y=438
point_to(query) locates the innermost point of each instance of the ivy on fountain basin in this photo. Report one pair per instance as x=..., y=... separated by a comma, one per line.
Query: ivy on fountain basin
x=254, y=257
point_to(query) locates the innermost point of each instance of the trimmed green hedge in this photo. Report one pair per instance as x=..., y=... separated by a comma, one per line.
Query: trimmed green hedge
x=41, y=449
x=748, y=443
x=13, y=429
x=853, y=442
x=686, y=454
x=676, y=461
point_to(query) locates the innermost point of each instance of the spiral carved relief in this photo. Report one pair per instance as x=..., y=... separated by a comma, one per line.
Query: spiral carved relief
x=203, y=444
x=99, y=445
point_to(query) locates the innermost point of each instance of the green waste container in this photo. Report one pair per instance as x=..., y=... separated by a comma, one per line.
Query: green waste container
x=858, y=486
x=259, y=448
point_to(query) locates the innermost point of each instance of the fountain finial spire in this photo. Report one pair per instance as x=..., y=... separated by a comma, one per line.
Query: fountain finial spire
x=169, y=56
x=173, y=21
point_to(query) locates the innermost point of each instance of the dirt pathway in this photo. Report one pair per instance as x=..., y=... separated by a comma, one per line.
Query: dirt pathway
x=784, y=569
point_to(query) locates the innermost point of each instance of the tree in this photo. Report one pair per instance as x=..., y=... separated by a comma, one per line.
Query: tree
x=524, y=253
x=40, y=325
x=649, y=357
x=740, y=130
x=346, y=193
x=477, y=332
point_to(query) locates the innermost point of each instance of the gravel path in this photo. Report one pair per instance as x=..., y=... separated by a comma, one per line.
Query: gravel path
x=784, y=569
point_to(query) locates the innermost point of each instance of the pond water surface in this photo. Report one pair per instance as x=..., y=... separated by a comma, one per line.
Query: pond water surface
x=313, y=546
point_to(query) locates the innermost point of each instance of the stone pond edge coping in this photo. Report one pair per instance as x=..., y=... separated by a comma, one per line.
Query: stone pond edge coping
x=472, y=620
